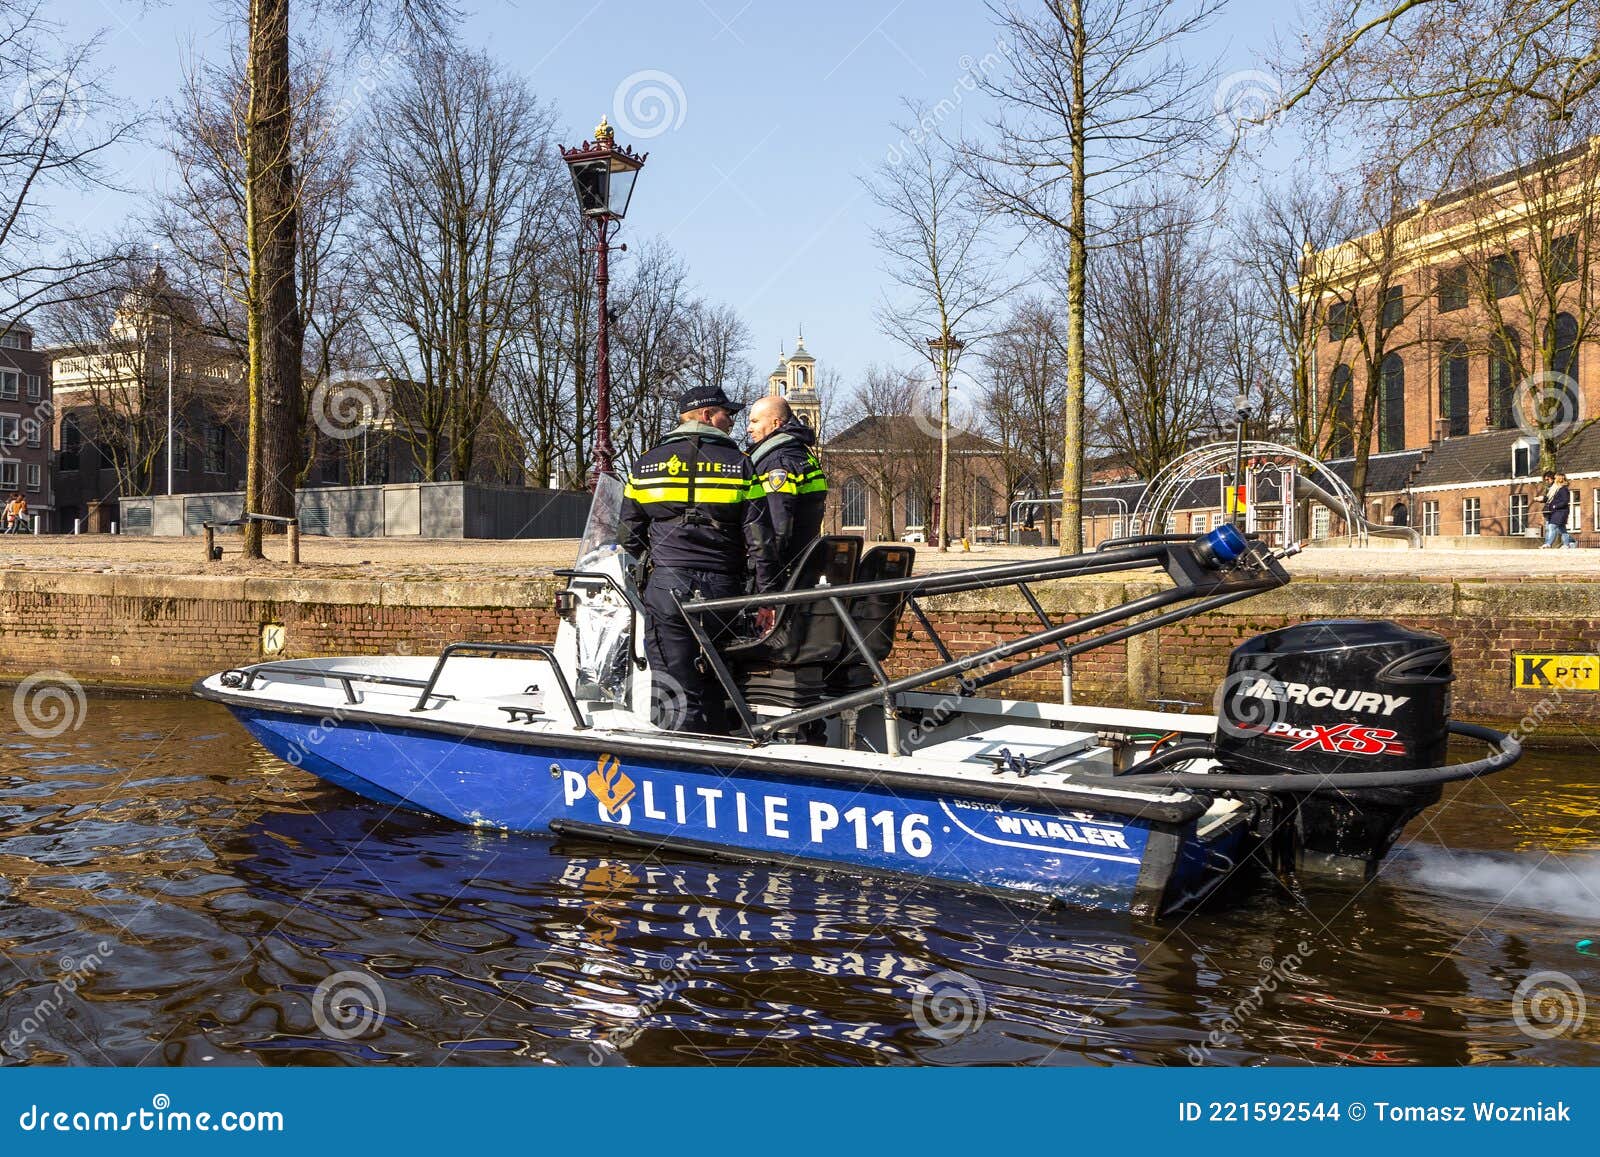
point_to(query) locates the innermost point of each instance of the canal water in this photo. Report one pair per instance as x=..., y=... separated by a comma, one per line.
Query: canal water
x=171, y=895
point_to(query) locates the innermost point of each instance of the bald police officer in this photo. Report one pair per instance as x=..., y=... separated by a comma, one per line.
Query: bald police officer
x=796, y=488
x=693, y=502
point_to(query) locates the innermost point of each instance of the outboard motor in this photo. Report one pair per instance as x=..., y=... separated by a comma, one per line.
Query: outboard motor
x=1343, y=695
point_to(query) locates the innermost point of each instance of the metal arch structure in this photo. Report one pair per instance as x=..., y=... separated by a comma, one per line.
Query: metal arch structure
x=1161, y=495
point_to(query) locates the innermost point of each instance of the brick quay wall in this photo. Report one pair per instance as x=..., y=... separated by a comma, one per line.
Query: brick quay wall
x=162, y=632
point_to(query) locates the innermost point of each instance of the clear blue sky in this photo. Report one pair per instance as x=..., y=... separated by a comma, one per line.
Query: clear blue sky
x=775, y=110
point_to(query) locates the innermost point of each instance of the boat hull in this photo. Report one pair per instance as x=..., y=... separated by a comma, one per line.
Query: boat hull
x=1120, y=863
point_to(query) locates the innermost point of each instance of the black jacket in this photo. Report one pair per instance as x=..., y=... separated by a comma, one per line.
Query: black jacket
x=795, y=485
x=1558, y=506
x=693, y=501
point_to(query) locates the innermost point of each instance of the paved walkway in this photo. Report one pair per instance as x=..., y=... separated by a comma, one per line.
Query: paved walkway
x=396, y=558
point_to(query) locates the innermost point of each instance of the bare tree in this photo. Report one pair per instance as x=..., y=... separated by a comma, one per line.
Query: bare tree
x=462, y=198
x=1155, y=311
x=55, y=128
x=1433, y=80
x=115, y=338
x=938, y=248
x=202, y=222
x=867, y=447
x=1272, y=241
x=650, y=354
x=1097, y=98
x=1023, y=393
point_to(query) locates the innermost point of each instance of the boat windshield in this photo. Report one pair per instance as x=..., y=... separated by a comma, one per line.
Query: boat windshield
x=605, y=512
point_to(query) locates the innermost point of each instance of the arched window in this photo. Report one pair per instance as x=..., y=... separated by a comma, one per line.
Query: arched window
x=1453, y=389
x=1557, y=404
x=1392, y=405
x=916, y=507
x=1341, y=441
x=801, y=377
x=1503, y=363
x=853, y=503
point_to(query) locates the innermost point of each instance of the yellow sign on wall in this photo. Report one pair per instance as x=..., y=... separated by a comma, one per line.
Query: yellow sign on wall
x=1552, y=672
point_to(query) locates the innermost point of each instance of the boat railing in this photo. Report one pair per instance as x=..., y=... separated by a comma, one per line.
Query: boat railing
x=1200, y=583
x=536, y=650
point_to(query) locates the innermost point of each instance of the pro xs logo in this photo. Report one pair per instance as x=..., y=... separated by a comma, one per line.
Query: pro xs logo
x=1348, y=738
x=1343, y=738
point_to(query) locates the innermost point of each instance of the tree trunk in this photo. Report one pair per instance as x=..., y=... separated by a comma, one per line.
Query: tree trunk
x=275, y=335
x=1077, y=258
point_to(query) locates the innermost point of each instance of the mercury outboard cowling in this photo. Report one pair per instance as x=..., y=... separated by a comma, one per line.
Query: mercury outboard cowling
x=1342, y=695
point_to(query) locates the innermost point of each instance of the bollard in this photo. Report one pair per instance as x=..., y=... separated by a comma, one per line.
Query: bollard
x=211, y=539
x=113, y=528
x=76, y=523
x=294, y=542
x=38, y=527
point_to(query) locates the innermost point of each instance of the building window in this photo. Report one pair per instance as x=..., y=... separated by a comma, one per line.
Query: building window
x=1342, y=405
x=1519, y=514
x=853, y=503
x=216, y=449
x=1321, y=522
x=1171, y=526
x=71, y=444
x=35, y=387
x=1392, y=411
x=916, y=508
x=1452, y=289
x=1558, y=402
x=1218, y=519
x=1453, y=389
x=1197, y=524
x=1469, y=516
x=1394, y=307
x=1575, y=515
x=32, y=430
x=1503, y=365
x=180, y=447
x=35, y=476
x=1430, y=517
x=8, y=383
x=983, y=500
x=1339, y=321
x=11, y=340
x=1564, y=259
x=8, y=476
x=10, y=430
x=1503, y=279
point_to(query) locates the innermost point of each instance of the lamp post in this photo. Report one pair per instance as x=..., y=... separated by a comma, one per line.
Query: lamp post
x=602, y=177
x=946, y=348
x=1241, y=413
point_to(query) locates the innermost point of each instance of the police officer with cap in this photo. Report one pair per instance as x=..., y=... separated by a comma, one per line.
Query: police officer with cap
x=796, y=487
x=693, y=503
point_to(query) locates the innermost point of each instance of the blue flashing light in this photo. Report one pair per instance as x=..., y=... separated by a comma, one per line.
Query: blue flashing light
x=1225, y=543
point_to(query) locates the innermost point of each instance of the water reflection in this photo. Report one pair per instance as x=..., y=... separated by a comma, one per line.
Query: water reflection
x=227, y=889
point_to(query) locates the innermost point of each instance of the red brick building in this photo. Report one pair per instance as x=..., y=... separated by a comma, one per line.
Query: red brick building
x=25, y=422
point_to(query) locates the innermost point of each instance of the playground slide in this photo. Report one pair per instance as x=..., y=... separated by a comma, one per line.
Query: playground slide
x=1305, y=488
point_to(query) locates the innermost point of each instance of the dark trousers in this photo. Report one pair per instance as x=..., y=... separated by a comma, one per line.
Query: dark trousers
x=680, y=699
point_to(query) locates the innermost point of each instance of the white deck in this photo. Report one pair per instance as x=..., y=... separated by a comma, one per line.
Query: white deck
x=472, y=692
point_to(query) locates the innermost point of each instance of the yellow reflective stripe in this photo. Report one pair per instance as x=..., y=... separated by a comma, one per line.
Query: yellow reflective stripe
x=646, y=495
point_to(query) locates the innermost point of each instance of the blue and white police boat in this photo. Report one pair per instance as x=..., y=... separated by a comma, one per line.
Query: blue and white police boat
x=1327, y=738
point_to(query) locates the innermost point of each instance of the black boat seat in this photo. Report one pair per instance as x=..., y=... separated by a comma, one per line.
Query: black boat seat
x=875, y=616
x=804, y=633
x=785, y=667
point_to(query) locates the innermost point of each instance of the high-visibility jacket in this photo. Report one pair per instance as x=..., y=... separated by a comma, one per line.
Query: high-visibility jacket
x=694, y=503
x=796, y=487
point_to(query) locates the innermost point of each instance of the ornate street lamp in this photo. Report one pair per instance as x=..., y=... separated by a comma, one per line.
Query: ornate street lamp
x=602, y=177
